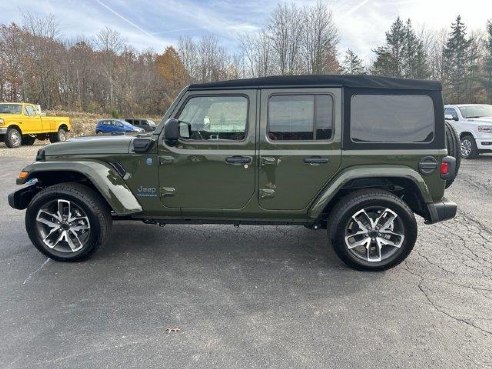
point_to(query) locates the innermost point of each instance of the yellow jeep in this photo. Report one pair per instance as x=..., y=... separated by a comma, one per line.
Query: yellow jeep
x=22, y=123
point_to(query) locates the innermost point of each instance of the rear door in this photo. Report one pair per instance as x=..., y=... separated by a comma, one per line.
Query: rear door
x=300, y=149
x=214, y=168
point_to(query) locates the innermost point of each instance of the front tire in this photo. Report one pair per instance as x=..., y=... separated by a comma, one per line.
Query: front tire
x=13, y=138
x=372, y=230
x=68, y=221
x=469, y=148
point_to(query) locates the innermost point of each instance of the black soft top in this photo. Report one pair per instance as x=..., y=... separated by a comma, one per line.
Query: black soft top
x=353, y=81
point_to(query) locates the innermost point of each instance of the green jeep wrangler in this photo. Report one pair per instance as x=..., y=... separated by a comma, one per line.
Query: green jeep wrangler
x=356, y=155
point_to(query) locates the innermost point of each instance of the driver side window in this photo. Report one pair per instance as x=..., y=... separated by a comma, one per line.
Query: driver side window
x=216, y=117
x=29, y=111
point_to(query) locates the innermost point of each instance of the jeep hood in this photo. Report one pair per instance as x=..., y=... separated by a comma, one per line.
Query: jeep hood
x=90, y=145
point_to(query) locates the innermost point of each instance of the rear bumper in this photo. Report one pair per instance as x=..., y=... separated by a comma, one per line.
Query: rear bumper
x=440, y=211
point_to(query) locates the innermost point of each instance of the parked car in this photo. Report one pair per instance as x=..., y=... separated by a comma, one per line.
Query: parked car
x=146, y=124
x=23, y=123
x=116, y=126
x=473, y=122
x=325, y=152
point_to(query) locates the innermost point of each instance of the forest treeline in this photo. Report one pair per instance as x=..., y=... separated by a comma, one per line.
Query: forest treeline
x=107, y=75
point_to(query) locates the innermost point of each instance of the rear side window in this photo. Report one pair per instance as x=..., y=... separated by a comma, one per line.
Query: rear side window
x=392, y=118
x=300, y=117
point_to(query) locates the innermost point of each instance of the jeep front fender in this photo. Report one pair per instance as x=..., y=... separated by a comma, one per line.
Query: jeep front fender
x=366, y=172
x=104, y=178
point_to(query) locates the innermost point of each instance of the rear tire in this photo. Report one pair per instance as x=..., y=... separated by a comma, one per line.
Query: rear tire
x=60, y=136
x=13, y=138
x=372, y=230
x=469, y=148
x=68, y=221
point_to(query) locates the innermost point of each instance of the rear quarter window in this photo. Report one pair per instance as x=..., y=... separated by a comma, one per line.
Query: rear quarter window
x=392, y=119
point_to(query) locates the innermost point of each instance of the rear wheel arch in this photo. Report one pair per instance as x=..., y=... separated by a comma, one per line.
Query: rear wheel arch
x=403, y=187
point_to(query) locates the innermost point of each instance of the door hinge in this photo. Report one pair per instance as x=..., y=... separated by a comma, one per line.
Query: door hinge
x=166, y=160
x=266, y=193
x=167, y=191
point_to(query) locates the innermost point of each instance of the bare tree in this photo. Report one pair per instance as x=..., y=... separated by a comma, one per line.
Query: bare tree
x=320, y=40
x=110, y=43
x=256, y=49
x=285, y=30
x=188, y=52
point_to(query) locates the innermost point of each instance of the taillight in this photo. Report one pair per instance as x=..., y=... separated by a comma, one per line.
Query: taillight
x=444, y=168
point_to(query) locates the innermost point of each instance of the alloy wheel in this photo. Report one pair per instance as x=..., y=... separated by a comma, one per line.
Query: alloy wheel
x=466, y=147
x=63, y=226
x=374, y=234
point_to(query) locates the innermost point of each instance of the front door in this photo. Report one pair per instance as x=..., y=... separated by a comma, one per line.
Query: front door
x=213, y=168
x=32, y=121
x=300, y=148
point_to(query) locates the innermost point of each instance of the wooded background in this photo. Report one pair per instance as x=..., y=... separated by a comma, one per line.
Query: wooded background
x=105, y=75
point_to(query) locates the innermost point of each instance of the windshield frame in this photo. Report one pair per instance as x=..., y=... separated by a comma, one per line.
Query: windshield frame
x=473, y=111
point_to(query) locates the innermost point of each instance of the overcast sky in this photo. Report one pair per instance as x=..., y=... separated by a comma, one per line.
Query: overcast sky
x=158, y=23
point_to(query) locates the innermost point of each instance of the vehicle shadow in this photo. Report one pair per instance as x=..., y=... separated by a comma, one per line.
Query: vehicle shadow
x=200, y=258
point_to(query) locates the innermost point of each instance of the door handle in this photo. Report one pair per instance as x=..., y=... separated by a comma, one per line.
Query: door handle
x=315, y=160
x=238, y=160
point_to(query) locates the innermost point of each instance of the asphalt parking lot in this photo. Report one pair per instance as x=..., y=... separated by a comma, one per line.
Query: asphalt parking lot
x=248, y=297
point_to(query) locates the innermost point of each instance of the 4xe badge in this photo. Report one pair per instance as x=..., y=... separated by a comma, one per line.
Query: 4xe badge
x=147, y=191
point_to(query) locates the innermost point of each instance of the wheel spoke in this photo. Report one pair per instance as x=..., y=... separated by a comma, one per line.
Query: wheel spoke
x=46, y=239
x=70, y=242
x=362, y=213
x=389, y=221
x=384, y=241
x=64, y=210
x=378, y=249
x=364, y=242
x=40, y=218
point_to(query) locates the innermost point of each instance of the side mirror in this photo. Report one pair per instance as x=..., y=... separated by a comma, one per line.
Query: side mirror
x=171, y=131
x=174, y=130
x=450, y=117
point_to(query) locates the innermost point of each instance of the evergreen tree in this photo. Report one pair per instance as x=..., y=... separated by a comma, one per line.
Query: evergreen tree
x=456, y=62
x=352, y=64
x=403, y=55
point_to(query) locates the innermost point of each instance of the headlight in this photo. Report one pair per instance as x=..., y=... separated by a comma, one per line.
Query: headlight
x=1, y=122
x=485, y=129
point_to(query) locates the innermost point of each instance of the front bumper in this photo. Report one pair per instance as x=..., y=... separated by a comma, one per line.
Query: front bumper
x=21, y=198
x=3, y=130
x=440, y=211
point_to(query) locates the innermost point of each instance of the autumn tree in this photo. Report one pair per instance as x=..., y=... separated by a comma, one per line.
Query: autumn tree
x=172, y=70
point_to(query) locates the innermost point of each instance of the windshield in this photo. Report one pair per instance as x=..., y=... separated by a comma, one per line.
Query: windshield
x=476, y=111
x=10, y=108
